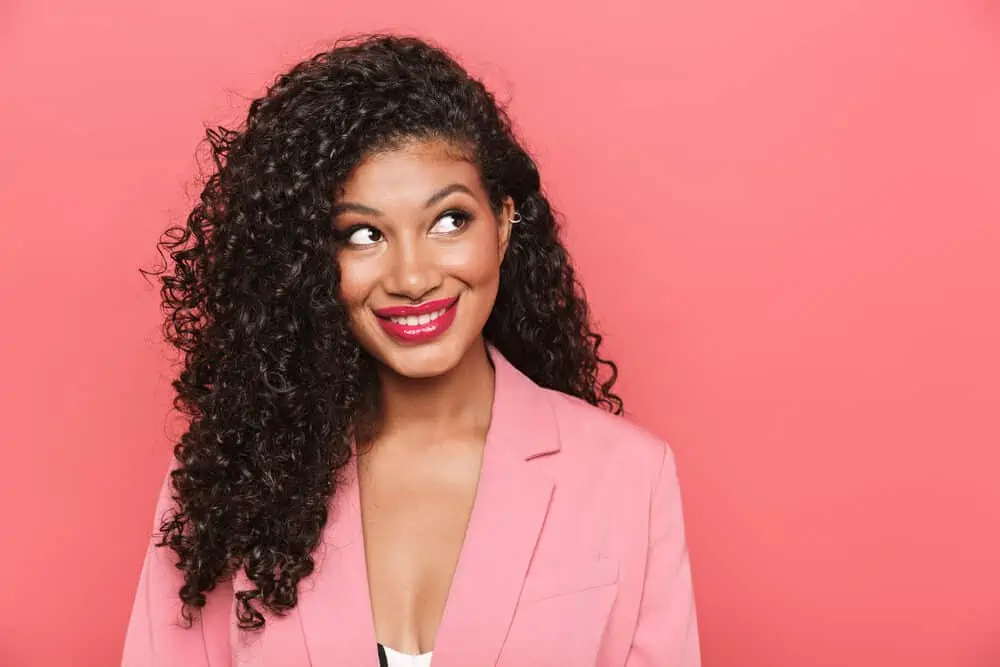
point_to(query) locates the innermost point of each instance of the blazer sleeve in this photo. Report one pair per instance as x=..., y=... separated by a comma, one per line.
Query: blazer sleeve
x=155, y=636
x=666, y=632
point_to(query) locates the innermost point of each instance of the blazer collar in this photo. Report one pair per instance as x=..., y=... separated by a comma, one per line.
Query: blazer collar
x=512, y=500
x=522, y=418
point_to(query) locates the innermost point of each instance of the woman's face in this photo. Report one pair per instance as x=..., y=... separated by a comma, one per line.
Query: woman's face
x=419, y=253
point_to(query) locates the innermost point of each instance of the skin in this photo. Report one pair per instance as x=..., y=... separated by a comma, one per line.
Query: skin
x=416, y=225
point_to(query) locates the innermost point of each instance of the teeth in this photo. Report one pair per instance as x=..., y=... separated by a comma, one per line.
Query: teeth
x=417, y=320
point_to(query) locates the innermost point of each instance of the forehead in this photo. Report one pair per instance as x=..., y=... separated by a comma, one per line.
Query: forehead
x=410, y=173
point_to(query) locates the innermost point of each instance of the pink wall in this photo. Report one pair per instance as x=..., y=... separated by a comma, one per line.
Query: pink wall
x=788, y=217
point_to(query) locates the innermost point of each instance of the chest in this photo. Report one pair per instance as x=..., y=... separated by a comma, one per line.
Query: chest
x=415, y=515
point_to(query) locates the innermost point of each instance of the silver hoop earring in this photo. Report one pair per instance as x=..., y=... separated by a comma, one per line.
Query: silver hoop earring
x=516, y=218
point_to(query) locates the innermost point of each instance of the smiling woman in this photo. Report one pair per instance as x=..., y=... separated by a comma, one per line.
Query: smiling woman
x=404, y=446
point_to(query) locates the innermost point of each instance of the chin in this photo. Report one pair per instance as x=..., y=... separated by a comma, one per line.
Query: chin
x=422, y=361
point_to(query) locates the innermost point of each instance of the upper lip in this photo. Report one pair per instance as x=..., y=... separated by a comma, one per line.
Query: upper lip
x=420, y=309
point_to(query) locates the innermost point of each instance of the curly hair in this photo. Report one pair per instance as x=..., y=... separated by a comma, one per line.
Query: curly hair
x=273, y=382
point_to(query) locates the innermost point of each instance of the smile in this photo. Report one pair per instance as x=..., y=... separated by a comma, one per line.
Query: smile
x=420, y=323
x=414, y=320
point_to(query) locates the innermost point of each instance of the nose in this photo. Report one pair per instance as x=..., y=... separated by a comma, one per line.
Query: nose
x=413, y=272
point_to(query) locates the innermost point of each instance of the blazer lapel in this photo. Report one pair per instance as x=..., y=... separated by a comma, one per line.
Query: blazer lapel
x=510, y=507
x=334, y=604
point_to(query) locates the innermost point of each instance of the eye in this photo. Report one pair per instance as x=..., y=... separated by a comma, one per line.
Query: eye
x=451, y=222
x=363, y=236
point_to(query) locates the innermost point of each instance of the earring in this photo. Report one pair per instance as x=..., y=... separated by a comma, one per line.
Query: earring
x=516, y=218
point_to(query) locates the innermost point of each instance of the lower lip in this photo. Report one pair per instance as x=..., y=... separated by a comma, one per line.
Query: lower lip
x=420, y=333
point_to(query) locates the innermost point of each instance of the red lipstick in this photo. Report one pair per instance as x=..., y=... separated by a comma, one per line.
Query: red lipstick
x=419, y=323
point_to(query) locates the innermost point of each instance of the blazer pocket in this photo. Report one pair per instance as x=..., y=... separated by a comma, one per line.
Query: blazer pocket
x=557, y=581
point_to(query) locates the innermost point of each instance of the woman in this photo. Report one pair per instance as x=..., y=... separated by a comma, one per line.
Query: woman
x=402, y=446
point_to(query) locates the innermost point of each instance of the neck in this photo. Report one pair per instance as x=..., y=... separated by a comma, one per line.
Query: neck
x=461, y=400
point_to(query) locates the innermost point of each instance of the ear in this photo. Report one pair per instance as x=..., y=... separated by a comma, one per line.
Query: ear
x=505, y=226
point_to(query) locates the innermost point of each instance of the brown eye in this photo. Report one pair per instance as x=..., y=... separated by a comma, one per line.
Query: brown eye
x=364, y=236
x=451, y=222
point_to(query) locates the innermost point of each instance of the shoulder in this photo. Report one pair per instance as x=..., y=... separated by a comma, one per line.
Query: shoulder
x=590, y=434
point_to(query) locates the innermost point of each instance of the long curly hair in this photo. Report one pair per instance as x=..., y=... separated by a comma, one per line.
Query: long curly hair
x=273, y=382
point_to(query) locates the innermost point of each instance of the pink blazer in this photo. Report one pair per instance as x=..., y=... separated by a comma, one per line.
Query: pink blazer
x=575, y=555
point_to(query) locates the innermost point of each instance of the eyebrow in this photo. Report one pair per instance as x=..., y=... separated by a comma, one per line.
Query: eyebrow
x=445, y=191
x=351, y=207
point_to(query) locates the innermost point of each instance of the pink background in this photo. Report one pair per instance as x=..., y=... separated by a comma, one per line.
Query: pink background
x=787, y=214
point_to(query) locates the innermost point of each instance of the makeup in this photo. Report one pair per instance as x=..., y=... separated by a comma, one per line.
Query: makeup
x=419, y=323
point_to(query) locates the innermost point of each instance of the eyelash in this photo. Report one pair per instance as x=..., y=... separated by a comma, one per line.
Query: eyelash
x=461, y=217
x=344, y=237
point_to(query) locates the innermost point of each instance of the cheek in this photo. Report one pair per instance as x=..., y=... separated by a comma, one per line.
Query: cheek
x=356, y=281
x=476, y=262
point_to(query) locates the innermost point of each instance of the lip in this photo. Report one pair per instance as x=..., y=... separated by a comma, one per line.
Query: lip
x=419, y=309
x=420, y=332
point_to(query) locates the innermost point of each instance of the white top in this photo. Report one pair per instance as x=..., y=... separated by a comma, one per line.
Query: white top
x=397, y=659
